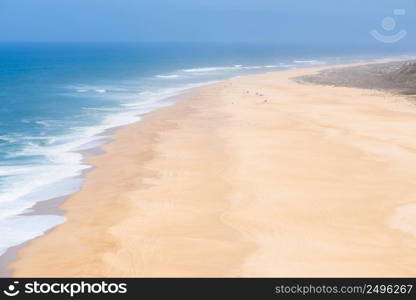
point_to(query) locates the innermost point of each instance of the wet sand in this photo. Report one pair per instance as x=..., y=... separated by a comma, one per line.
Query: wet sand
x=255, y=176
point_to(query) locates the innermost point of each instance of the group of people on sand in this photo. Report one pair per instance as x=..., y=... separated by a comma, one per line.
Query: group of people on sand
x=258, y=94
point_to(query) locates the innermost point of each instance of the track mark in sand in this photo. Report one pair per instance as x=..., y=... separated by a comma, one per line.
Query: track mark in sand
x=404, y=219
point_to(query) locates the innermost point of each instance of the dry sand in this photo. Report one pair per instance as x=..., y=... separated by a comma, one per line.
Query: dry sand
x=303, y=180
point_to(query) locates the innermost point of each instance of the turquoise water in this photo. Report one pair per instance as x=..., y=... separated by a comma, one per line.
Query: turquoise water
x=56, y=99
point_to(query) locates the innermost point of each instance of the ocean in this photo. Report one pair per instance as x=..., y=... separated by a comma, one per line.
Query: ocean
x=57, y=99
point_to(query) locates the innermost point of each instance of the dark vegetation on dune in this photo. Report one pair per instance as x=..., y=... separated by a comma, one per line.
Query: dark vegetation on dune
x=397, y=77
x=406, y=75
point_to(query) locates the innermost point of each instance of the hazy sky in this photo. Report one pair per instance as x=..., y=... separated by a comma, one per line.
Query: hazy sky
x=201, y=20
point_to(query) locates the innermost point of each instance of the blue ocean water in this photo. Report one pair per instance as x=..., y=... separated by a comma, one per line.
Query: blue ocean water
x=58, y=99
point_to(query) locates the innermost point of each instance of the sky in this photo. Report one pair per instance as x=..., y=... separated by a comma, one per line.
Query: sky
x=271, y=21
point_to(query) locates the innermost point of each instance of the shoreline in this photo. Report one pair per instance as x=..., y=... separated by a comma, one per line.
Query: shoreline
x=106, y=137
x=54, y=204
x=183, y=107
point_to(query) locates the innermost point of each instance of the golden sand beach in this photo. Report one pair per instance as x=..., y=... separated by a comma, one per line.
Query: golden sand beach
x=254, y=176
